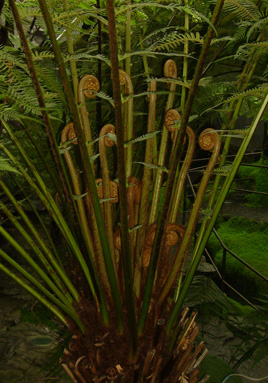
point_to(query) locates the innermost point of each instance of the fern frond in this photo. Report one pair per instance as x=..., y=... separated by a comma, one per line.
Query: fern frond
x=6, y=167
x=77, y=17
x=206, y=213
x=257, y=26
x=241, y=31
x=151, y=166
x=149, y=53
x=204, y=290
x=105, y=96
x=241, y=9
x=241, y=133
x=223, y=170
x=170, y=7
x=86, y=57
x=257, y=92
x=185, y=84
x=159, y=31
x=37, y=56
x=142, y=138
x=8, y=112
x=173, y=40
x=244, y=52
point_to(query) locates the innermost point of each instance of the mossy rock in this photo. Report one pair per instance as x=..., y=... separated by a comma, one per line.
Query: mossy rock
x=218, y=370
x=247, y=239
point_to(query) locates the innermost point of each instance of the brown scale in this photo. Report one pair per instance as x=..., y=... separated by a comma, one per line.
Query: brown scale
x=103, y=363
x=174, y=234
x=113, y=190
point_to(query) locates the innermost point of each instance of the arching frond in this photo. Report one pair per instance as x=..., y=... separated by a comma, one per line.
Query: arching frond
x=240, y=9
x=245, y=50
x=8, y=112
x=6, y=167
x=257, y=26
x=173, y=40
x=84, y=56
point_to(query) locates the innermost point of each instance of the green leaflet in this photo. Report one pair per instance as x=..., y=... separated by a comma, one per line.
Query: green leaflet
x=76, y=197
x=6, y=167
x=151, y=166
x=224, y=170
x=142, y=138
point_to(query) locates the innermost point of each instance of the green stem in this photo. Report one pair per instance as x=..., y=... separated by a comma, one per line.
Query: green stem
x=87, y=168
x=144, y=58
x=107, y=207
x=185, y=58
x=128, y=121
x=33, y=292
x=217, y=209
x=162, y=152
x=235, y=108
x=192, y=220
x=40, y=220
x=174, y=164
x=34, y=265
x=77, y=190
x=68, y=310
x=45, y=116
x=178, y=190
x=47, y=254
x=84, y=112
x=126, y=254
x=145, y=191
x=70, y=47
x=128, y=37
x=55, y=213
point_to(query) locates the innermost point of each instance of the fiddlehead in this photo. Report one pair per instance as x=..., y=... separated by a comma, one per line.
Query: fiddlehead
x=107, y=185
x=87, y=87
x=170, y=71
x=209, y=139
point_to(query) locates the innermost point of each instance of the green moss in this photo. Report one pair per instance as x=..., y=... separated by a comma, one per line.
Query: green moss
x=247, y=239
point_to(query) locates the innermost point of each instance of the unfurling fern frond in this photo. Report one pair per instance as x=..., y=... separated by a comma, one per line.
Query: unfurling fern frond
x=173, y=40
